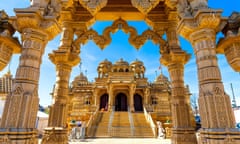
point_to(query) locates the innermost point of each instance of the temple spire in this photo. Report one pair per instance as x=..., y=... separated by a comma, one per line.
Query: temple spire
x=234, y=104
x=80, y=67
x=160, y=68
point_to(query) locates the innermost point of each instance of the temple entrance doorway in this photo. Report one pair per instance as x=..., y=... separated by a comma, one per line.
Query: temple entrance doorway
x=121, y=102
x=138, y=106
x=104, y=102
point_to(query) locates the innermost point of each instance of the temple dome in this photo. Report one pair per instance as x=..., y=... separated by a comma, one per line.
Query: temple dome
x=121, y=62
x=105, y=62
x=137, y=62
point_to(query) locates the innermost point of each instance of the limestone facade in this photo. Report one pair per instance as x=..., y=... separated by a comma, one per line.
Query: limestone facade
x=192, y=19
x=120, y=86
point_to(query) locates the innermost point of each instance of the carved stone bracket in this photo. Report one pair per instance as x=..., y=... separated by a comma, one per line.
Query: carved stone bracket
x=93, y=6
x=8, y=43
x=103, y=40
x=145, y=6
x=230, y=44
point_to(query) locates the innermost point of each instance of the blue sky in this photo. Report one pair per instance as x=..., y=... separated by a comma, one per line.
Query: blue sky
x=91, y=55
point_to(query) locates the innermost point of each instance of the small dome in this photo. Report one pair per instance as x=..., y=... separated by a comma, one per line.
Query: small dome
x=105, y=62
x=121, y=62
x=161, y=79
x=137, y=66
x=137, y=62
x=104, y=66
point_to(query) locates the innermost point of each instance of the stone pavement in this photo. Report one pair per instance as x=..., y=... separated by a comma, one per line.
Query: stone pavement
x=122, y=141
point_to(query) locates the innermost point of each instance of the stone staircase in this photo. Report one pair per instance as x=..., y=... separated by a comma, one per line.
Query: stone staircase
x=141, y=126
x=100, y=128
x=120, y=126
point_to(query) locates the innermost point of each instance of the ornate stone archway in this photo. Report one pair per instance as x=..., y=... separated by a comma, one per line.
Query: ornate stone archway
x=43, y=20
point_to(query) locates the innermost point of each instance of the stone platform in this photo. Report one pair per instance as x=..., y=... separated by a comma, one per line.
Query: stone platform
x=121, y=141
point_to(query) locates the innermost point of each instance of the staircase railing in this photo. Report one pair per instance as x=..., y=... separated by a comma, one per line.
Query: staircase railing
x=131, y=121
x=91, y=121
x=150, y=121
x=111, y=120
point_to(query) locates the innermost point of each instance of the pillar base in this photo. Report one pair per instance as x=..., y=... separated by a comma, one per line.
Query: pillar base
x=55, y=135
x=18, y=136
x=219, y=136
x=184, y=136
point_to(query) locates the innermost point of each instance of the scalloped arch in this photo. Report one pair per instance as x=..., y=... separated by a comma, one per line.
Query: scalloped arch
x=103, y=40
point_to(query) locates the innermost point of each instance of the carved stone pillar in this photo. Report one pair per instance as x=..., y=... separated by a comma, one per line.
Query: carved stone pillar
x=64, y=59
x=20, y=111
x=217, y=118
x=182, y=132
x=110, y=97
x=96, y=98
x=56, y=131
x=146, y=96
x=131, y=94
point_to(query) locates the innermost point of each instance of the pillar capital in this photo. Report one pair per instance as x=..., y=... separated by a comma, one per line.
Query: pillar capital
x=62, y=57
x=33, y=18
x=203, y=19
x=179, y=57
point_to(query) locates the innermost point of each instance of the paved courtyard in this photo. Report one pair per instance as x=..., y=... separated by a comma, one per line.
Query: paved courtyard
x=122, y=141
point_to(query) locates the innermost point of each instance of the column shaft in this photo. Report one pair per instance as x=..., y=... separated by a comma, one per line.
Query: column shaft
x=182, y=132
x=21, y=106
x=58, y=113
x=214, y=103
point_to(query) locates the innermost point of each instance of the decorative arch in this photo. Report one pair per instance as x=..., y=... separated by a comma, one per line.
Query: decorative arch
x=121, y=102
x=103, y=40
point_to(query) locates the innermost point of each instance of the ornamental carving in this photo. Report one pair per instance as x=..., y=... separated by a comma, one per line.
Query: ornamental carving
x=8, y=44
x=103, y=40
x=93, y=6
x=145, y=6
x=230, y=44
x=209, y=20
